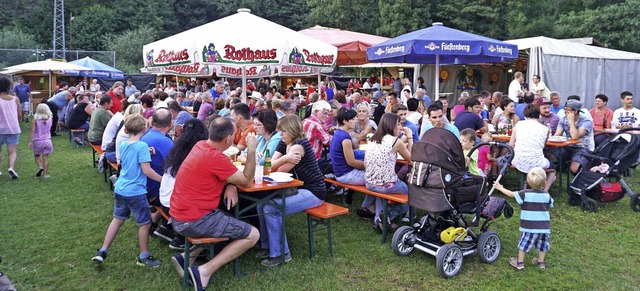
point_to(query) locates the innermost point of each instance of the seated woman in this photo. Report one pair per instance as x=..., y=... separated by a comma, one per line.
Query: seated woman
x=380, y=162
x=293, y=155
x=346, y=167
x=528, y=139
x=147, y=103
x=80, y=115
x=265, y=122
x=602, y=117
x=193, y=131
x=364, y=125
x=508, y=115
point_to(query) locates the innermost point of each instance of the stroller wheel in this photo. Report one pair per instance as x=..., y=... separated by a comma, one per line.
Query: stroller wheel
x=635, y=202
x=449, y=260
x=400, y=242
x=589, y=205
x=489, y=245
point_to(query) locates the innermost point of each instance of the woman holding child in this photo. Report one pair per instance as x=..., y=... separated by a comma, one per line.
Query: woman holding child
x=380, y=161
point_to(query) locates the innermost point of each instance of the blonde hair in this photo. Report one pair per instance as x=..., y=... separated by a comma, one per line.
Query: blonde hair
x=134, y=124
x=292, y=126
x=536, y=178
x=133, y=109
x=117, y=84
x=486, y=137
x=42, y=112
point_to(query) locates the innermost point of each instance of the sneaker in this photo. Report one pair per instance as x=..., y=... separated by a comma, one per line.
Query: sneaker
x=272, y=262
x=164, y=233
x=178, y=263
x=514, y=263
x=39, y=172
x=149, y=262
x=113, y=179
x=46, y=177
x=177, y=243
x=262, y=254
x=13, y=174
x=100, y=256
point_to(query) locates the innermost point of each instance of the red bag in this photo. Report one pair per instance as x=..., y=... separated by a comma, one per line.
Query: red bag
x=607, y=192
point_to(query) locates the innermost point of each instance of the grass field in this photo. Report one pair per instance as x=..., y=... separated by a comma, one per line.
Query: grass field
x=50, y=229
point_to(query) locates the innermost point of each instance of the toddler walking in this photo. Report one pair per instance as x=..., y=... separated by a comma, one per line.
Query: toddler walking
x=40, y=139
x=535, y=222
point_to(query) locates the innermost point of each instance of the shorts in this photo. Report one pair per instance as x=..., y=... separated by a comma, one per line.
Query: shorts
x=25, y=105
x=9, y=139
x=138, y=205
x=213, y=224
x=572, y=154
x=528, y=240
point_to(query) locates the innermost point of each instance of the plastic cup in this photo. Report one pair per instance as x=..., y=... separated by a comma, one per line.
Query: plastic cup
x=258, y=175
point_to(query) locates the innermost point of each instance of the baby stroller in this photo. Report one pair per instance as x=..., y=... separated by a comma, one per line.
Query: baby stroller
x=439, y=185
x=610, y=160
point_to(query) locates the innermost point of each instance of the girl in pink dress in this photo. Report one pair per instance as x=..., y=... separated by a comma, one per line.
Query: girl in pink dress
x=40, y=139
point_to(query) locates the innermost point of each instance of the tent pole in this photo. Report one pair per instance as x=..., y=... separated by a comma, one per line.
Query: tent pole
x=380, y=77
x=437, y=79
x=244, y=85
x=50, y=88
x=319, y=79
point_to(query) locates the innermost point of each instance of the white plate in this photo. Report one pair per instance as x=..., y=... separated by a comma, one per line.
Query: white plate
x=558, y=138
x=279, y=175
x=279, y=179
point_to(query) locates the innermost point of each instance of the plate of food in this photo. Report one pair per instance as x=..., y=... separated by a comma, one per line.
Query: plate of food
x=279, y=177
x=558, y=138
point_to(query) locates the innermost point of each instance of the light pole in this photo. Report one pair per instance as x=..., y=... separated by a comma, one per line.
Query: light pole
x=70, y=30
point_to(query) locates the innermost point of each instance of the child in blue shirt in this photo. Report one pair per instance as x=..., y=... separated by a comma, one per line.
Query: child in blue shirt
x=535, y=222
x=130, y=191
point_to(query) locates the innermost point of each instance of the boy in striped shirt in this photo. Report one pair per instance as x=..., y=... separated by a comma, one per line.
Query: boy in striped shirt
x=535, y=222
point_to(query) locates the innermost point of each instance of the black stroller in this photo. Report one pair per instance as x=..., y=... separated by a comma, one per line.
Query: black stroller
x=611, y=160
x=438, y=184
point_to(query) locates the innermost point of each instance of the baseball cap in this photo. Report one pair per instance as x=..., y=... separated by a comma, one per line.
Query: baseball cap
x=574, y=104
x=379, y=94
x=542, y=101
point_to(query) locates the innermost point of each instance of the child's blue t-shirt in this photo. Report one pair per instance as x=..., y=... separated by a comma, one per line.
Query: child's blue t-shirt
x=534, y=216
x=132, y=181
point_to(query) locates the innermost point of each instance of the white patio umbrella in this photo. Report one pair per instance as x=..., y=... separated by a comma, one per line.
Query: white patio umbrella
x=48, y=66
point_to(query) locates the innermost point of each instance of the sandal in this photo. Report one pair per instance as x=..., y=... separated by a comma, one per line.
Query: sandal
x=516, y=264
x=377, y=226
x=540, y=265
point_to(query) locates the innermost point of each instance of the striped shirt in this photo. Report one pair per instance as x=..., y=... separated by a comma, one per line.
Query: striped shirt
x=534, y=216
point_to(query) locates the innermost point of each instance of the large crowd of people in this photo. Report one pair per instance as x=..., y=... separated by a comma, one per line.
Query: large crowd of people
x=169, y=143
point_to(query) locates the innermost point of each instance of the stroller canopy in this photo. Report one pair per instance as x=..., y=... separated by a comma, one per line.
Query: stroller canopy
x=440, y=147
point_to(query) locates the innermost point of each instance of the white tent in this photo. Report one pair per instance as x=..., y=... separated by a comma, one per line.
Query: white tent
x=46, y=67
x=577, y=69
x=244, y=45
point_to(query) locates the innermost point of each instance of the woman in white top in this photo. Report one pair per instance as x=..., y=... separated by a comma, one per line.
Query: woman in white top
x=380, y=161
x=528, y=140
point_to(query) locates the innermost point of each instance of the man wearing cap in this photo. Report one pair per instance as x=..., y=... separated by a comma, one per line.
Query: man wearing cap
x=627, y=115
x=584, y=111
x=515, y=87
x=378, y=104
x=547, y=117
x=577, y=127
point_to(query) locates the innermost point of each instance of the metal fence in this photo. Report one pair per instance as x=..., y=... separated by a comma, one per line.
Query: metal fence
x=11, y=57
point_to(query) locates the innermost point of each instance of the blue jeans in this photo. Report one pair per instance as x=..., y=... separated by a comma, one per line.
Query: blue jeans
x=356, y=177
x=110, y=156
x=271, y=219
x=399, y=187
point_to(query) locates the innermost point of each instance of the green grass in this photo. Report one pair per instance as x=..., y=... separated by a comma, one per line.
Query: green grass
x=49, y=230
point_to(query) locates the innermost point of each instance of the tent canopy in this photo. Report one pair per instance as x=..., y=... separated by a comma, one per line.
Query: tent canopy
x=577, y=69
x=44, y=66
x=98, y=69
x=352, y=46
x=242, y=43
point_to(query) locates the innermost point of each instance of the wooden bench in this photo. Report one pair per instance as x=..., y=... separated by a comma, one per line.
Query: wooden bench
x=113, y=169
x=393, y=199
x=96, y=149
x=322, y=215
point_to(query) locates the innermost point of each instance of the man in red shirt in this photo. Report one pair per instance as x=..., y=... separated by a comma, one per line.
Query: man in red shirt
x=205, y=175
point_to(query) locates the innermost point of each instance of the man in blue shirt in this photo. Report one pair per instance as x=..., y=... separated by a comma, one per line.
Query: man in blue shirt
x=422, y=95
x=402, y=110
x=218, y=91
x=23, y=91
x=556, y=107
x=156, y=138
x=437, y=119
x=470, y=118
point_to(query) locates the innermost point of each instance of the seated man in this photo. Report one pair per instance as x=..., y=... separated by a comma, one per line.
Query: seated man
x=240, y=115
x=437, y=119
x=470, y=118
x=317, y=136
x=205, y=175
x=627, y=115
x=99, y=120
x=576, y=126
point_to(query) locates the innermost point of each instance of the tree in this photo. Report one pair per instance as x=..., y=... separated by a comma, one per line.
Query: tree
x=14, y=38
x=91, y=25
x=402, y=16
x=358, y=16
x=534, y=18
x=128, y=47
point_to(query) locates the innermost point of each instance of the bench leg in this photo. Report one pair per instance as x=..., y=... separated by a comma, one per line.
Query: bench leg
x=187, y=258
x=385, y=214
x=311, y=239
x=93, y=153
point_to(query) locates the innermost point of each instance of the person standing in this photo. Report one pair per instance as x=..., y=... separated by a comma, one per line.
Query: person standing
x=117, y=95
x=515, y=87
x=57, y=103
x=40, y=139
x=9, y=125
x=130, y=89
x=23, y=91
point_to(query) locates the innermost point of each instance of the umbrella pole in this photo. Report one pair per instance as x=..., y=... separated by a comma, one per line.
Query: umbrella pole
x=319, y=79
x=437, y=79
x=244, y=85
x=50, y=85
